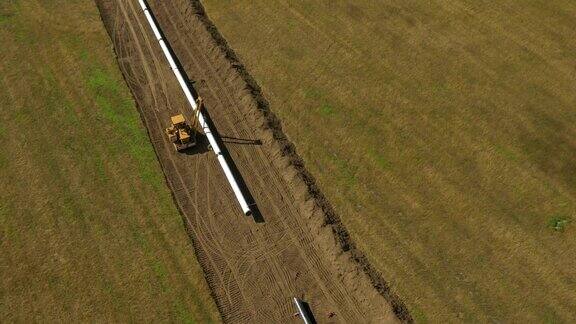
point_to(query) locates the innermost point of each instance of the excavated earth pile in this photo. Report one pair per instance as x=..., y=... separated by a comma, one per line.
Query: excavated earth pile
x=293, y=245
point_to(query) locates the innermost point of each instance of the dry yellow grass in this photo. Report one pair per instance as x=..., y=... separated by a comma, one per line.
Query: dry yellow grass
x=444, y=133
x=88, y=229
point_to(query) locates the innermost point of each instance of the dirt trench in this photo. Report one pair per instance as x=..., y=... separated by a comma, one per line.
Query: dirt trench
x=294, y=245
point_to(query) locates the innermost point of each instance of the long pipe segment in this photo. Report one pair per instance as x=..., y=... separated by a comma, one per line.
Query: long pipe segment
x=306, y=318
x=237, y=192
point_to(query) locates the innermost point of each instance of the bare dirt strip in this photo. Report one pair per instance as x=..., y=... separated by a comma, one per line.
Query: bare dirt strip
x=253, y=265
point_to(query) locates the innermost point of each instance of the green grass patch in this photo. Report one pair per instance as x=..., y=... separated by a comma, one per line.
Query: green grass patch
x=119, y=113
x=100, y=80
x=418, y=315
x=558, y=223
x=379, y=159
x=345, y=172
x=100, y=169
x=506, y=153
x=326, y=109
x=4, y=18
x=183, y=314
x=159, y=270
x=8, y=9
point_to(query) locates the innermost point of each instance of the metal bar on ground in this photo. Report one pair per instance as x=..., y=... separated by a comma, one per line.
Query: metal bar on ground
x=302, y=311
x=205, y=128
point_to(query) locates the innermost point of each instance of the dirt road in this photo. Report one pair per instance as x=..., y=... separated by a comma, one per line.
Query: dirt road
x=254, y=265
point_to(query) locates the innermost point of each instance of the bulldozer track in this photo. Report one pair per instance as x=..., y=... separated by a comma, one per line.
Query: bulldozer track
x=253, y=267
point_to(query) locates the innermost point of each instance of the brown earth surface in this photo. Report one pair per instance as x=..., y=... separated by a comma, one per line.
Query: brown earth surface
x=254, y=265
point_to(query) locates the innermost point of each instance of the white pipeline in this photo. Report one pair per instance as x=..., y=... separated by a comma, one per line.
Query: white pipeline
x=192, y=101
x=302, y=311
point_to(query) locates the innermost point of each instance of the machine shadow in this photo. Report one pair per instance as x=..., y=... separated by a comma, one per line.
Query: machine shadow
x=308, y=311
x=240, y=141
x=256, y=214
x=202, y=146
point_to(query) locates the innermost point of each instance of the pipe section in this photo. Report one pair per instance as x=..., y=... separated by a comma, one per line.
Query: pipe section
x=205, y=128
x=302, y=311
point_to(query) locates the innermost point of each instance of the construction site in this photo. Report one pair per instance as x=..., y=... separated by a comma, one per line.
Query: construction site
x=287, y=161
x=255, y=262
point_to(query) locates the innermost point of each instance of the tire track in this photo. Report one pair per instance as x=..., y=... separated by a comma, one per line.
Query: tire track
x=241, y=131
x=158, y=125
x=253, y=269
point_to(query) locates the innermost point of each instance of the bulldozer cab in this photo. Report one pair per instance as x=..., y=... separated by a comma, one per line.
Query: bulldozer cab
x=178, y=120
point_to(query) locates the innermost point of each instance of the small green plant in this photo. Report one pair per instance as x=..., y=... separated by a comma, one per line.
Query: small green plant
x=4, y=18
x=326, y=109
x=558, y=223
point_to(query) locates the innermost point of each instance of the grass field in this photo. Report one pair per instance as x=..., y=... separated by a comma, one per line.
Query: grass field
x=88, y=229
x=444, y=134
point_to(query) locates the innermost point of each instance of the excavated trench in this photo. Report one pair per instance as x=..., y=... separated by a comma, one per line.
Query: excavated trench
x=295, y=245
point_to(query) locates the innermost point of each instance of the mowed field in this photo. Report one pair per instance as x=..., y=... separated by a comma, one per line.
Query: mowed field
x=444, y=134
x=88, y=228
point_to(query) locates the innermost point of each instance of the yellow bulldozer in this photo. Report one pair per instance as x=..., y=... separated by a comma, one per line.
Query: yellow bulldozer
x=182, y=134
